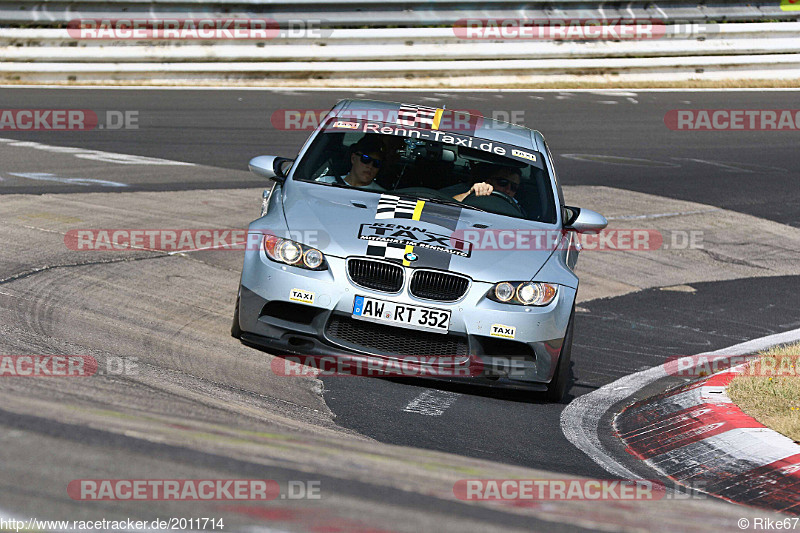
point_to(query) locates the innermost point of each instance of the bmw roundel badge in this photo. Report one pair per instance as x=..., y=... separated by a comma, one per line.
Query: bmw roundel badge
x=411, y=256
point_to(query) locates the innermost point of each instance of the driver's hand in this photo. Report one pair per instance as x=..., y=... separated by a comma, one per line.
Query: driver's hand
x=482, y=189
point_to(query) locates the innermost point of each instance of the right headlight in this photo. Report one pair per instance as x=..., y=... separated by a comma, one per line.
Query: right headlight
x=523, y=293
x=293, y=253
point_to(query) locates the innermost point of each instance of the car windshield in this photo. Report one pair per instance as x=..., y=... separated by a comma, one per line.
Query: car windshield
x=433, y=165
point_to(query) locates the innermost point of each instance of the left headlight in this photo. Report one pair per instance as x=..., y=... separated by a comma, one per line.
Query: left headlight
x=293, y=253
x=523, y=293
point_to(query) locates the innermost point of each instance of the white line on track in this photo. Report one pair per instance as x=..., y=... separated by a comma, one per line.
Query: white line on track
x=615, y=92
x=662, y=215
x=94, y=155
x=46, y=176
x=580, y=420
x=729, y=168
x=431, y=403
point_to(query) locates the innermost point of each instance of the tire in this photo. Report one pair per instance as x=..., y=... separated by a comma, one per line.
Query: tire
x=558, y=385
x=236, y=330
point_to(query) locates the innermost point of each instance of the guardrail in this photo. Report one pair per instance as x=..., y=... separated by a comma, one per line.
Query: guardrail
x=412, y=44
x=403, y=56
x=392, y=12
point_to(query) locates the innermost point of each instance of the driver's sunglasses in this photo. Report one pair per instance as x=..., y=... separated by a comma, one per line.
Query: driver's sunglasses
x=503, y=182
x=367, y=160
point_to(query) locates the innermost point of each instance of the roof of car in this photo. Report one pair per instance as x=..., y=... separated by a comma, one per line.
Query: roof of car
x=485, y=128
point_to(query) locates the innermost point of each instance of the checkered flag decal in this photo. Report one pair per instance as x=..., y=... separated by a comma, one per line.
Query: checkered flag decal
x=395, y=207
x=386, y=250
x=416, y=116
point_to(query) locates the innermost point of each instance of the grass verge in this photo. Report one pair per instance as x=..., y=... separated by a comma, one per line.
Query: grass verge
x=770, y=390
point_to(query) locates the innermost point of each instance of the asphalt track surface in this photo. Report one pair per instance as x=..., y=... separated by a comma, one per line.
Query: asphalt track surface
x=755, y=173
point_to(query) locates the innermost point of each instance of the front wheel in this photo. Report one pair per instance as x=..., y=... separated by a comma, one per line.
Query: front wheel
x=558, y=385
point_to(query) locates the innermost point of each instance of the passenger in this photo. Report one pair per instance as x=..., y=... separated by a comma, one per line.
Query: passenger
x=366, y=159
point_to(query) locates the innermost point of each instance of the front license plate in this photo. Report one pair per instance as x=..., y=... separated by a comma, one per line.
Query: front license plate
x=404, y=315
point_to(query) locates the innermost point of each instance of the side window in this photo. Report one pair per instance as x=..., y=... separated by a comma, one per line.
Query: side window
x=322, y=158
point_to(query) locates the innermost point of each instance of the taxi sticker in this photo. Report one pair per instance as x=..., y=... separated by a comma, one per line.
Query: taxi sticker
x=506, y=332
x=299, y=295
x=346, y=125
x=523, y=154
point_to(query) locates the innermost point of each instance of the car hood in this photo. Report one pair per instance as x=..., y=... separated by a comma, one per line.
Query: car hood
x=348, y=222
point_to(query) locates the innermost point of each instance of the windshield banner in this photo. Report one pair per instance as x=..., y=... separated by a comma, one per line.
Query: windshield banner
x=527, y=156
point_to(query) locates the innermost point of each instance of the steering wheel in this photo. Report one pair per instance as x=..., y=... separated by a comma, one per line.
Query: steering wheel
x=508, y=199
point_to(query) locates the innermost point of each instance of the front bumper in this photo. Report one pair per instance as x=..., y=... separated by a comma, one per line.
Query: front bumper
x=272, y=316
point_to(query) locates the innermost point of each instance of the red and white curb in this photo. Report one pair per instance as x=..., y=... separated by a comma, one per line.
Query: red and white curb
x=581, y=419
x=696, y=436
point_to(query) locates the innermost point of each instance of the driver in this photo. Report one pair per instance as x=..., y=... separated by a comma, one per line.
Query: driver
x=498, y=178
x=366, y=159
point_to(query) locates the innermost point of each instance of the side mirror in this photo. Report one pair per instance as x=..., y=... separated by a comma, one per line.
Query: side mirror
x=271, y=167
x=583, y=220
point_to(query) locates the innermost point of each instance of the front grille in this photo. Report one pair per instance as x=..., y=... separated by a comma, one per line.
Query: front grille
x=433, y=285
x=375, y=275
x=387, y=340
